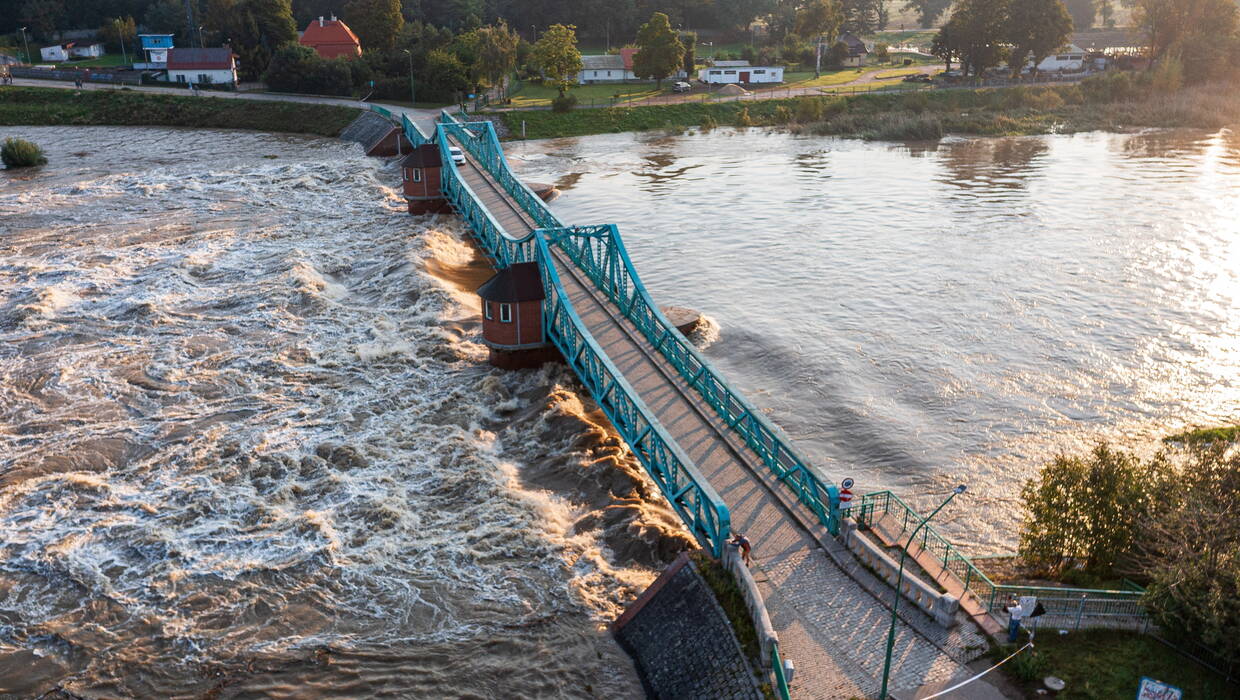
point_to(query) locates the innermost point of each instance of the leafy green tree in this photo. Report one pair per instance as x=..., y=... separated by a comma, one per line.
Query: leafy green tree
x=297, y=68
x=975, y=34
x=42, y=17
x=948, y=44
x=376, y=22
x=166, y=16
x=253, y=28
x=445, y=76
x=659, y=51
x=1189, y=551
x=556, y=55
x=1201, y=33
x=689, y=40
x=928, y=11
x=496, y=53
x=863, y=16
x=1087, y=512
x=1035, y=28
x=119, y=32
x=819, y=18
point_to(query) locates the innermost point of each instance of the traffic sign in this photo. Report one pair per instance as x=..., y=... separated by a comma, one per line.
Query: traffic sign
x=847, y=483
x=1151, y=689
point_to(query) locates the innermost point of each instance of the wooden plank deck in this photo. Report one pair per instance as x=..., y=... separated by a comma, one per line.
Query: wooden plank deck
x=831, y=627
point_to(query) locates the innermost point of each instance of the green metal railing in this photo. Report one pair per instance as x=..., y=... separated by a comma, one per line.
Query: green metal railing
x=1065, y=607
x=599, y=252
x=781, y=683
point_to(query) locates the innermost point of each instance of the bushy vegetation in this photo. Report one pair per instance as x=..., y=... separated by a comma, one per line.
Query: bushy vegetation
x=1168, y=521
x=44, y=106
x=1112, y=101
x=20, y=153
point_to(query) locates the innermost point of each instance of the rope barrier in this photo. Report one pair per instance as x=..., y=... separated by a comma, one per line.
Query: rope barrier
x=967, y=681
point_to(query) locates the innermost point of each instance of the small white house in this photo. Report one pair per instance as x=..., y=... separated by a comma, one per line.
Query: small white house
x=612, y=68
x=724, y=72
x=215, y=66
x=56, y=53
x=1069, y=59
x=86, y=50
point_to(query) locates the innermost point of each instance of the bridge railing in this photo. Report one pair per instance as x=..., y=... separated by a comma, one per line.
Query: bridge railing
x=1065, y=607
x=502, y=249
x=688, y=492
x=600, y=253
x=608, y=266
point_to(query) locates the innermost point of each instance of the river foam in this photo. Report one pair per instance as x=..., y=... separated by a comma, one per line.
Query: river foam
x=250, y=444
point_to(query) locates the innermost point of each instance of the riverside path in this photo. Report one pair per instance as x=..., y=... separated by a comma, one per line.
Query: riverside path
x=721, y=465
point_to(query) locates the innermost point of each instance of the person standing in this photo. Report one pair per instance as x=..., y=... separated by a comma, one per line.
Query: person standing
x=742, y=542
x=1015, y=614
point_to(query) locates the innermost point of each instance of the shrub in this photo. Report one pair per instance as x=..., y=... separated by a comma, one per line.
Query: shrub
x=709, y=123
x=563, y=103
x=809, y=109
x=20, y=153
x=743, y=118
x=782, y=115
x=1086, y=511
x=1168, y=75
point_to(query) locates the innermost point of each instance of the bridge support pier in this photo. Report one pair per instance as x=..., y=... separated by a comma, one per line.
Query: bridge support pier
x=512, y=318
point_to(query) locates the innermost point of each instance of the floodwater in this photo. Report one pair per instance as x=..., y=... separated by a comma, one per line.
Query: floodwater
x=921, y=315
x=250, y=446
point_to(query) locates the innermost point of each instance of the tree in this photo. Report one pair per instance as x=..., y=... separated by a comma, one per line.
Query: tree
x=863, y=16
x=947, y=44
x=1036, y=28
x=1202, y=33
x=1086, y=512
x=1190, y=553
x=297, y=68
x=376, y=22
x=928, y=11
x=975, y=34
x=659, y=50
x=119, y=32
x=556, y=55
x=1083, y=13
x=496, y=53
x=167, y=16
x=253, y=28
x=818, y=18
x=42, y=17
x=689, y=39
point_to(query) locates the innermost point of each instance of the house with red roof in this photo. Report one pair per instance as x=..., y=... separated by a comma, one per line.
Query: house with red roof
x=331, y=39
x=214, y=66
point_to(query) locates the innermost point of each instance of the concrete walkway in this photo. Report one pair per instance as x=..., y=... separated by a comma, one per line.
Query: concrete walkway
x=830, y=625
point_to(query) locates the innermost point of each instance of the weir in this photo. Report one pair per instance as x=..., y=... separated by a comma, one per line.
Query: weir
x=716, y=458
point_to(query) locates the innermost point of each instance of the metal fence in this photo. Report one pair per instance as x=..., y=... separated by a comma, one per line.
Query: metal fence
x=93, y=75
x=1066, y=608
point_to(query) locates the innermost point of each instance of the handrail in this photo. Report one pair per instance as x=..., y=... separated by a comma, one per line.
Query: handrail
x=619, y=280
x=1085, y=605
x=688, y=492
x=781, y=683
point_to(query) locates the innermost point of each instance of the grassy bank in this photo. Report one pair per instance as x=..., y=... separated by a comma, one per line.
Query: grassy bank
x=1203, y=436
x=1107, y=664
x=53, y=106
x=1112, y=103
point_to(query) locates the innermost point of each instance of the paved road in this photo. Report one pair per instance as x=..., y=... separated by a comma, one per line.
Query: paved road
x=830, y=626
x=421, y=115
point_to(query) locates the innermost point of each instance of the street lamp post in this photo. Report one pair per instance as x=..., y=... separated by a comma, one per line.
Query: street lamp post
x=410, y=55
x=202, y=43
x=891, y=632
x=27, y=45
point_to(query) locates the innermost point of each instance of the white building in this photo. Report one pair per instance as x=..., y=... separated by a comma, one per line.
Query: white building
x=724, y=72
x=612, y=68
x=216, y=66
x=86, y=50
x=56, y=53
x=1069, y=59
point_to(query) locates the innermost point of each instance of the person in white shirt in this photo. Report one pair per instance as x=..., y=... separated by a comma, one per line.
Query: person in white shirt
x=1016, y=614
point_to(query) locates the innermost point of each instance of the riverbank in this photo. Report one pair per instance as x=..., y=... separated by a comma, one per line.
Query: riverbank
x=21, y=106
x=1116, y=102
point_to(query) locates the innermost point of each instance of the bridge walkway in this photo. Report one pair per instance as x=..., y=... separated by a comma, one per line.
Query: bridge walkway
x=832, y=629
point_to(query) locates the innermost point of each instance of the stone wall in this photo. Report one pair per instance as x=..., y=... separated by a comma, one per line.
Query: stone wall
x=682, y=642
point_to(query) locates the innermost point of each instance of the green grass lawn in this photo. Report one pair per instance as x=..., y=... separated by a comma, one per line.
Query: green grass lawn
x=1108, y=664
x=104, y=61
x=537, y=95
x=1202, y=436
x=917, y=37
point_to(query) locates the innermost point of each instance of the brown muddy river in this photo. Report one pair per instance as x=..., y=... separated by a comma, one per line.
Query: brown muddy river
x=249, y=446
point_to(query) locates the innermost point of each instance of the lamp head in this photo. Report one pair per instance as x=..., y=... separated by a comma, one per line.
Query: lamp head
x=960, y=489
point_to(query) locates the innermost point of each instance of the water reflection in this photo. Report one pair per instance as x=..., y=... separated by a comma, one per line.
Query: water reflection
x=918, y=313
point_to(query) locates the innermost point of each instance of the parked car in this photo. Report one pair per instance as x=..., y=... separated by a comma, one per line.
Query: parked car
x=918, y=78
x=458, y=156
x=681, y=86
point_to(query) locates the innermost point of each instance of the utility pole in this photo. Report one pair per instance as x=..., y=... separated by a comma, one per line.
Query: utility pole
x=27, y=45
x=202, y=44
